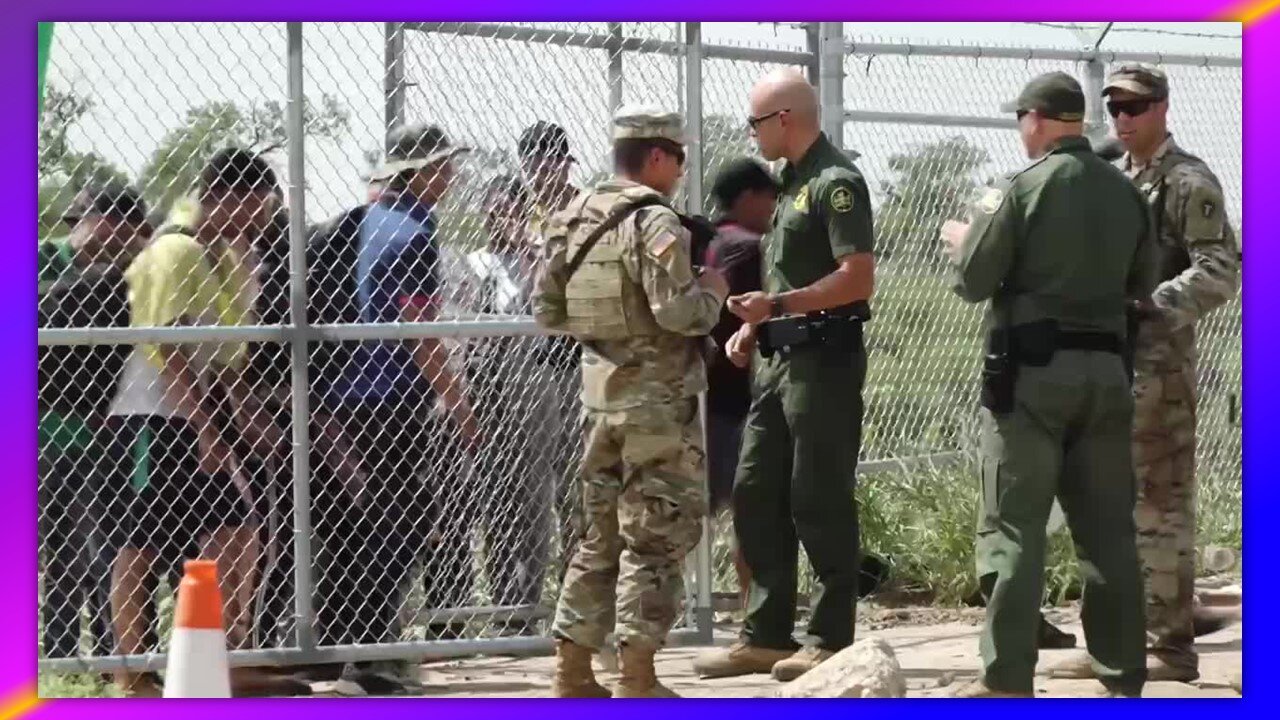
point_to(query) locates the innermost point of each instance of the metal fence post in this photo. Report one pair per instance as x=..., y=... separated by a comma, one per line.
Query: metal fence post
x=614, y=47
x=703, y=617
x=1095, y=123
x=393, y=77
x=303, y=612
x=831, y=80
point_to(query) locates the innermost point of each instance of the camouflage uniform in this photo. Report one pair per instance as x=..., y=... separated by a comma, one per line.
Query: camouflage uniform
x=637, y=309
x=1199, y=271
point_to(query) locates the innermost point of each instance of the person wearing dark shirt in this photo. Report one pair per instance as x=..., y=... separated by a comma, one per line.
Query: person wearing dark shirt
x=745, y=194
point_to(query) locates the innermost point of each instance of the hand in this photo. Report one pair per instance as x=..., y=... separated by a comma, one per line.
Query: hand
x=261, y=432
x=741, y=345
x=469, y=429
x=215, y=455
x=713, y=280
x=752, y=308
x=952, y=235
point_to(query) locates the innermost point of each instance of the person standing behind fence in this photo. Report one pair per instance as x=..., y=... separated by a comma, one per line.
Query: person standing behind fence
x=517, y=403
x=1059, y=249
x=192, y=497
x=746, y=196
x=415, y=508
x=618, y=276
x=1199, y=272
x=545, y=162
x=796, y=474
x=82, y=284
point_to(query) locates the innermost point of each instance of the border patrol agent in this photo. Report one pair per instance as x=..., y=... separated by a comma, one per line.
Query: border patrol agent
x=1199, y=271
x=617, y=275
x=795, y=479
x=1060, y=248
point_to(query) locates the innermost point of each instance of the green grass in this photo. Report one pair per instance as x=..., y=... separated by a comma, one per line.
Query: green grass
x=75, y=686
x=923, y=520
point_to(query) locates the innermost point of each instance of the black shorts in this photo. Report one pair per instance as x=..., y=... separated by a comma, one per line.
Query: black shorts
x=175, y=505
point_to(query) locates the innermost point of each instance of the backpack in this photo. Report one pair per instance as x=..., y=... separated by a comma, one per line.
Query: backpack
x=81, y=380
x=333, y=247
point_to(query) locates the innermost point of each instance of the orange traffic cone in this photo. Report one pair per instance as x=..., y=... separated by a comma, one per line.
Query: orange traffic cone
x=198, y=651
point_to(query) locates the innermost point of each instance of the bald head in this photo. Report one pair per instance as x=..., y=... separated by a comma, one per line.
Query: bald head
x=788, y=105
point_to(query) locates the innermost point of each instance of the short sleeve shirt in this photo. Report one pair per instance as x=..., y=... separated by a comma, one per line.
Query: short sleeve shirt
x=823, y=214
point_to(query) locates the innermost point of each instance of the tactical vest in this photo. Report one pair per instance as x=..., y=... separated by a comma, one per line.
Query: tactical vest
x=602, y=301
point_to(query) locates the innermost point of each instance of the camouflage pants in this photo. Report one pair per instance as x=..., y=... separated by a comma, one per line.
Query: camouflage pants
x=1164, y=451
x=643, y=497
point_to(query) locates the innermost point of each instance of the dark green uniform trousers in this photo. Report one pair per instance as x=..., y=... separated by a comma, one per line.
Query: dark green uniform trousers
x=1067, y=435
x=795, y=484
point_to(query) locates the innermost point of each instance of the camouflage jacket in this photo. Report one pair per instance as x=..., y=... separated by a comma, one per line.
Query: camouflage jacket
x=1199, y=253
x=659, y=367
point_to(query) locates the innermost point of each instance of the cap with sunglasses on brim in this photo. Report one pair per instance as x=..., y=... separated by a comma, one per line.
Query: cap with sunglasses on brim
x=413, y=147
x=648, y=123
x=112, y=199
x=1054, y=95
x=1145, y=81
x=544, y=140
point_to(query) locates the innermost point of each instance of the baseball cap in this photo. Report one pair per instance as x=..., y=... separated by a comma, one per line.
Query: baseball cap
x=648, y=123
x=110, y=199
x=414, y=147
x=1139, y=79
x=546, y=140
x=1054, y=95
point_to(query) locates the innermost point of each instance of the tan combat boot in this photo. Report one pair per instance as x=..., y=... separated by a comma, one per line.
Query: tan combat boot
x=1080, y=667
x=638, y=678
x=573, y=675
x=738, y=659
x=804, y=660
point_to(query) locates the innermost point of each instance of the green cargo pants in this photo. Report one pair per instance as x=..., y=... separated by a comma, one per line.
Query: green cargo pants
x=795, y=484
x=1067, y=436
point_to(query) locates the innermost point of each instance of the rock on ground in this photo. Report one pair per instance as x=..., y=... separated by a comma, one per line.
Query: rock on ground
x=866, y=669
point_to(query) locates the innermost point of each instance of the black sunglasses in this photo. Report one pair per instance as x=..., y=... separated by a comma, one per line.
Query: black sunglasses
x=752, y=122
x=1132, y=108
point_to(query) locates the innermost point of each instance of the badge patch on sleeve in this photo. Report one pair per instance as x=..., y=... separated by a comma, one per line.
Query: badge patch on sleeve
x=842, y=200
x=990, y=201
x=1207, y=209
x=663, y=243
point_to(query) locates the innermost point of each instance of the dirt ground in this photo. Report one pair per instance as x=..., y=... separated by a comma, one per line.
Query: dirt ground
x=937, y=649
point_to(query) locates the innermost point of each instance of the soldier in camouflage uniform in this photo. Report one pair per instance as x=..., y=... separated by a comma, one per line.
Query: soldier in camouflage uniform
x=1199, y=271
x=632, y=300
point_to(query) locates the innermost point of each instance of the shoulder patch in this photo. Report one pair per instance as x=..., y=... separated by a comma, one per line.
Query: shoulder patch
x=990, y=200
x=662, y=243
x=842, y=200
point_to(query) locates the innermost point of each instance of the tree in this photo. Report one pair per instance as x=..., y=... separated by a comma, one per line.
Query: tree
x=931, y=184
x=61, y=171
x=172, y=170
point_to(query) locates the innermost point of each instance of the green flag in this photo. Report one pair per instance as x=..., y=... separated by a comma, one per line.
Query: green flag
x=45, y=40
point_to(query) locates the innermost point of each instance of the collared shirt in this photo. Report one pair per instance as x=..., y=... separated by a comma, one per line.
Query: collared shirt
x=823, y=214
x=396, y=266
x=1065, y=238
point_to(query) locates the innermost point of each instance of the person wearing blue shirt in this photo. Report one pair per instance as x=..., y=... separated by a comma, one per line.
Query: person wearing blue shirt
x=411, y=507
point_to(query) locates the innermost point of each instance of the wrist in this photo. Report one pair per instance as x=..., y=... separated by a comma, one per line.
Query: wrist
x=776, y=307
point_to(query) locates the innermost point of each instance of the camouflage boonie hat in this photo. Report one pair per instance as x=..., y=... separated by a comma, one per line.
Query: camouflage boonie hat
x=1054, y=95
x=648, y=123
x=414, y=147
x=1139, y=79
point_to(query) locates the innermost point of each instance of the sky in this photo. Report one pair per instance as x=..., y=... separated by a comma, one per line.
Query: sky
x=143, y=78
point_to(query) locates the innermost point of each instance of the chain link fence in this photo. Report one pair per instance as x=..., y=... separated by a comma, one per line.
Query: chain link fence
x=389, y=472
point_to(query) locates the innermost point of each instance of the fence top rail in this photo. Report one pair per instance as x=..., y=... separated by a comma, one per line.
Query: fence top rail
x=616, y=43
x=856, y=47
